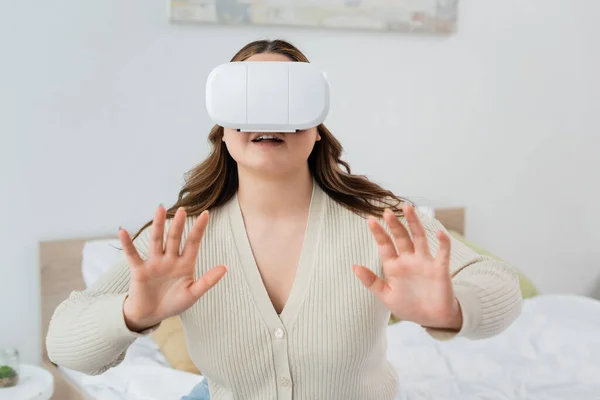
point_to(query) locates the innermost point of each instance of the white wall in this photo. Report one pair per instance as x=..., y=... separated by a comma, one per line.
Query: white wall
x=102, y=112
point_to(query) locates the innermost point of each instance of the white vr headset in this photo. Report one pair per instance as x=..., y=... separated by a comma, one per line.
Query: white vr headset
x=267, y=96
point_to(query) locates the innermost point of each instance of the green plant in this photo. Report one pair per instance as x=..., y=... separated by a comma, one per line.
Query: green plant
x=7, y=372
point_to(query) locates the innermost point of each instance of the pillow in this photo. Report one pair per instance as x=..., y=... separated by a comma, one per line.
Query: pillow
x=528, y=289
x=97, y=258
x=427, y=210
x=169, y=339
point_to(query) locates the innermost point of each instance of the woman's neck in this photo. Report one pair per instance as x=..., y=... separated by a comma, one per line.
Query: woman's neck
x=275, y=196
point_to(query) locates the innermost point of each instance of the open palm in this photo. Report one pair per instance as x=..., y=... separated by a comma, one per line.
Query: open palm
x=416, y=286
x=164, y=284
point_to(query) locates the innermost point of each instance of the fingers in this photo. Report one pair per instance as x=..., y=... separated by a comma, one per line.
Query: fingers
x=131, y=252
x=207, y=281
x=192, y=243
x=175, y=232
x=443, y=254
x=401, y=236
x=157, y=232
x=387, y=251
x=418, y=232
x=377, y=286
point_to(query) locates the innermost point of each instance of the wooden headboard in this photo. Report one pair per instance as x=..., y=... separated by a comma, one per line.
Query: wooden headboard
x=60, y=274
x=60, y=270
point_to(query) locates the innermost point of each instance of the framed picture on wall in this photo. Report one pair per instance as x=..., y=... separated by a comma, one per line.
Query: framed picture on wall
x=414, y=16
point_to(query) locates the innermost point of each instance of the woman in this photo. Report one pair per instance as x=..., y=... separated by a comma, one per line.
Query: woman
x=287, y=292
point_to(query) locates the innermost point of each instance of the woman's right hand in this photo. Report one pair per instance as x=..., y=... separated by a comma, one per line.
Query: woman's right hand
x=163, y=285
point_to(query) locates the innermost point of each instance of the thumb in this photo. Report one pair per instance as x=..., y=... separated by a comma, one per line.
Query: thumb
x=375, y=285
x=207, y=281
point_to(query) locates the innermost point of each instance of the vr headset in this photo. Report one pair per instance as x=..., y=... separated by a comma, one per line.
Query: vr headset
x=267, y=96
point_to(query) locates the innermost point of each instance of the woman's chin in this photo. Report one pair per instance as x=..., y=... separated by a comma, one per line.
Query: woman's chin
x=271, y=169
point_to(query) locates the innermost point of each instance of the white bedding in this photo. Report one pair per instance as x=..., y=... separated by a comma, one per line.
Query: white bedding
x=144, y=374
x=552, y=352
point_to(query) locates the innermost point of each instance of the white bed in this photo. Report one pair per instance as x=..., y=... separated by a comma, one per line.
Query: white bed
x=552, y=352
x=144, y=374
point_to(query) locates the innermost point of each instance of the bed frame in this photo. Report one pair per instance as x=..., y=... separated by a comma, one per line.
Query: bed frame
x=60, y=274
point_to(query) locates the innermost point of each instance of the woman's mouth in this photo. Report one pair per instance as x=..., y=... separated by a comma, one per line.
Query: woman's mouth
x=267, y=139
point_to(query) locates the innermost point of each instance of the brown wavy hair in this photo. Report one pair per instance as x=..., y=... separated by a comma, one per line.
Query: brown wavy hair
x=213, y=182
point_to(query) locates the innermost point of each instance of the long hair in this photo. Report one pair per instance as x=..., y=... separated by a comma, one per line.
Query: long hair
x=213, y=182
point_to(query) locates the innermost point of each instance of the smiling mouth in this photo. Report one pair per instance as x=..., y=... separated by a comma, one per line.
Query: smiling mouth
x=267, y=138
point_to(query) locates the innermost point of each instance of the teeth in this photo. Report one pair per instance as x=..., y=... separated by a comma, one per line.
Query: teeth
x=266, y=137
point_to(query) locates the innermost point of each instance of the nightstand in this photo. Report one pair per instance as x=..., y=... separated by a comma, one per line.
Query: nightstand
x=35, y=383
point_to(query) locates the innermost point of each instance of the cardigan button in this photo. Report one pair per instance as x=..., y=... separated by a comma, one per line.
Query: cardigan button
x=285, y=383
x=279, y=333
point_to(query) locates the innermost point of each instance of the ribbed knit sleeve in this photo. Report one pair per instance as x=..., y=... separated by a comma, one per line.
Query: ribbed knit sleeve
x=487, y=290
x=87, y=332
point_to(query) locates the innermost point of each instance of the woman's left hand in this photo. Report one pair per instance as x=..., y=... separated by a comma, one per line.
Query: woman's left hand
x=417, y=287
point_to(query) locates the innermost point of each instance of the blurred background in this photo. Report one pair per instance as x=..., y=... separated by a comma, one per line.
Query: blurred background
x=102, y=112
